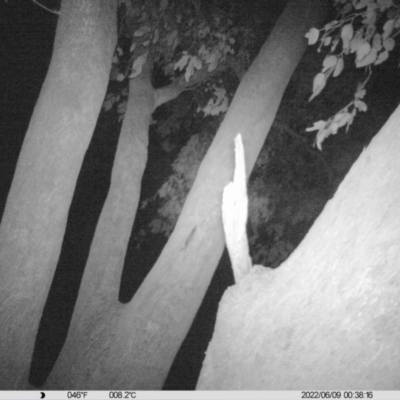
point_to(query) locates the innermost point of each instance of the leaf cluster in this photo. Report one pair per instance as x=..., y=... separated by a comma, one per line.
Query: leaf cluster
x=365, y=30
x=181, y=41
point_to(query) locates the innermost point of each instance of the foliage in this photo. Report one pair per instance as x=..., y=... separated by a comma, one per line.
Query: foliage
x=185, y=44
x=365, y=28
x=218, y=103
x=174, y=128
x=174, y=191
x=287, y=190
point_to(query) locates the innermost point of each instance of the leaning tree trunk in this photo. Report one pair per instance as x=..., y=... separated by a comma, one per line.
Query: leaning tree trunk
x=329, y=317
x=35, y=216
x=136, y=347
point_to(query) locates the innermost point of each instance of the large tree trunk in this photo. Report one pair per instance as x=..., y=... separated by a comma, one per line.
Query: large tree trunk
x=136, y=347
x=329, y=317
x=35, y=216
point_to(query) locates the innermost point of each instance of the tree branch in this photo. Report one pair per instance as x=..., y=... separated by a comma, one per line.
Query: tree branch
x=47, y=9
x=178, y=85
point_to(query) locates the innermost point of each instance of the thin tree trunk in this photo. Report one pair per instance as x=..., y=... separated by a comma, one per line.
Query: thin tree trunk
x=136, y=347
x=329, y=317
x=35, y=216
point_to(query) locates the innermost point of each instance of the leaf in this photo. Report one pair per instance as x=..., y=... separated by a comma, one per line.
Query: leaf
x=347, y=34
x=142, y=31
x=327, y=40
x=194, y=63
x=321, y=124
x=370, y=17
x=371, y=29
x=368, y=59
x=362, y=51
x=329, y=62
x=361, y=4
x=339, y=67
x=360, y=105
x=383, y=56
x=335, y=42
x=212, y=59
x=387, y=28
x=312, y=35
x=132, y=48
x=334, y=127
x=360, y=93
x=357, y=41
x=181, y=64
x=321, y=136
x=389, y=44
x=219, y=102
x=342, y=119
x=108, y=103
x=318, y=84
x=377, y=42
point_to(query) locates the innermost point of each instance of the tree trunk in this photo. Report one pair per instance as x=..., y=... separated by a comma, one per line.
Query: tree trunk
x=35, y=216
x=328, y=318
x=136, y=347
x=97, y=308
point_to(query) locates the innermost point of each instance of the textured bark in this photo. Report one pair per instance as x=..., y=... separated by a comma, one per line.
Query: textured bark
x=329, y=317
x=35, y=216
x=136, y=347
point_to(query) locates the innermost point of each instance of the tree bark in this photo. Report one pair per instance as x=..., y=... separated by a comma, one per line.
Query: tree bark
x=136, y=347
x=35, y=216
x=97, y=308
x=328, y=318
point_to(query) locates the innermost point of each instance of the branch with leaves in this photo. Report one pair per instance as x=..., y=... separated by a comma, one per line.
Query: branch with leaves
x=186, y=46
x=365, y=28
